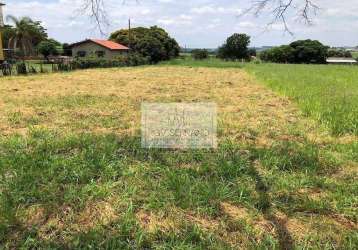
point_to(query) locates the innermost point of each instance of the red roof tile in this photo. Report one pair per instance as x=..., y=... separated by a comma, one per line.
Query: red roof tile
x=109, y=44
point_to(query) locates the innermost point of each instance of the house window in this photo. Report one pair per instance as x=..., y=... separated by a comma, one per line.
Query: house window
x=100, y=53
x=81, y=53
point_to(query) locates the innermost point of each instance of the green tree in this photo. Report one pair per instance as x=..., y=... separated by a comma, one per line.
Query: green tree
x=281, y=54
x=309, y=51
x=47, y=48
x=25, y=35
x=339, y=53
x=236, y=47
x=7, y=32
x=302, y=51
x=153, y=43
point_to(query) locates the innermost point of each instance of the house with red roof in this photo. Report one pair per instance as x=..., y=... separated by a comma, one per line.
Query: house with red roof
x=98, y=48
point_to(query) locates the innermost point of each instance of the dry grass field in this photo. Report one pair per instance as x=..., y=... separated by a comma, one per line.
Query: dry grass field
x=73, y=174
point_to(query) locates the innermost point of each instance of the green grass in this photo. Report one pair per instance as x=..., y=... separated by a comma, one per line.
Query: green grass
x=77, y=171
x=73, y=174
x=47, y=68
x=211, y=62
x=327, y=93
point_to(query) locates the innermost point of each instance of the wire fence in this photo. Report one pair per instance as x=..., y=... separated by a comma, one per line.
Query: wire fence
x=32, y=67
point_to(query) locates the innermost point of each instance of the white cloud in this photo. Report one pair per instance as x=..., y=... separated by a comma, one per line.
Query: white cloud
x=247, y=24
x=212, y=9
x=165, y=1
x=185, y=17
x=181, y=20
x=166, y=21
x=203, y=10
x=198, y=23
x=145, y=12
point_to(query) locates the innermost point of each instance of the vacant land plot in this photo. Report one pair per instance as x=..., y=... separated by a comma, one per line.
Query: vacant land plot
x=73, y=173
x=327, y=93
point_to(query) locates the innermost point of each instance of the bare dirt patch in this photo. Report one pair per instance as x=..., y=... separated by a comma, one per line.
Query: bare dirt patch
x=152, y=222
x=315, y=194
x=95, y=214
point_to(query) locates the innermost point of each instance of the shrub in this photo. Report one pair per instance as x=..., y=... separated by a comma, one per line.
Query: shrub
x=132, y=59
x=200, y=54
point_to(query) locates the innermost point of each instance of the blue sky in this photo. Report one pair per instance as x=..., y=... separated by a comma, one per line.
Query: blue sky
x=194, y=23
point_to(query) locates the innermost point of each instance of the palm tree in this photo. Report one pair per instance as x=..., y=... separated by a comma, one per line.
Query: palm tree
x=22, y=35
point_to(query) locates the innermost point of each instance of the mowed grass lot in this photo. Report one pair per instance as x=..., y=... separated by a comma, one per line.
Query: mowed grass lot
x=327, y=93
x=73, y=173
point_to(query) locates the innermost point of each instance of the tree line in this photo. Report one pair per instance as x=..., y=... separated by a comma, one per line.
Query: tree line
x=28, y=38
x=307, y=51
x=302, y=51
x=154, y=44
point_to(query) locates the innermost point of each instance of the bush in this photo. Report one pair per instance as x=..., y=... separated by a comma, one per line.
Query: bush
x=200, y=54
x=89, y=63
x=132, y=59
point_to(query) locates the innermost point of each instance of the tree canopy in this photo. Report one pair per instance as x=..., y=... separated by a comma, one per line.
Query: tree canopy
x=301, y=51
x=153, y=43
x=236, y=47
x=25, y=34
x=47, y=48
x=309, y=51
x=339, y=53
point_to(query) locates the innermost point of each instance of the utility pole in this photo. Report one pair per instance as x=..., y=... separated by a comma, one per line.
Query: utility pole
x=129, y=34
x=2, y=58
